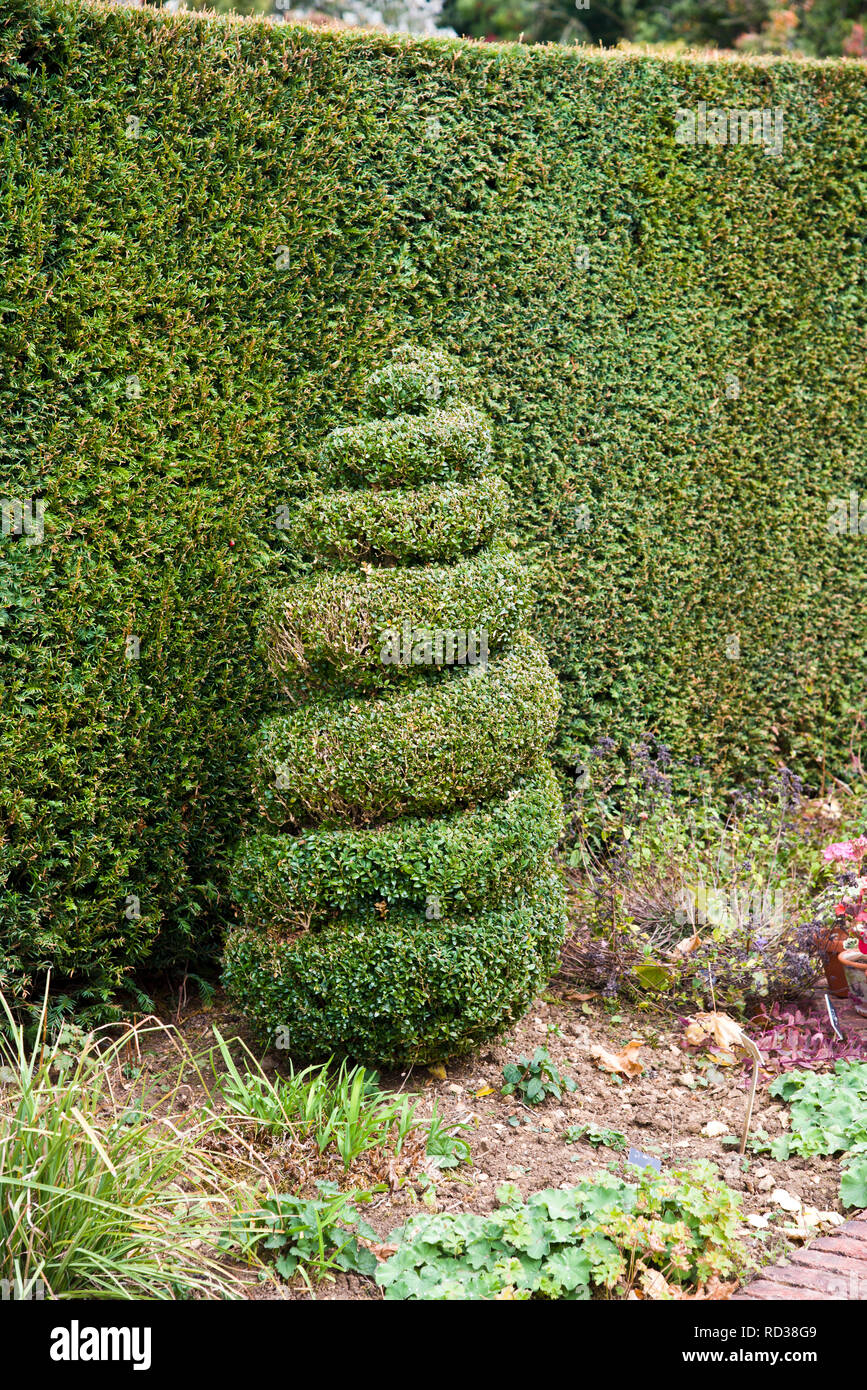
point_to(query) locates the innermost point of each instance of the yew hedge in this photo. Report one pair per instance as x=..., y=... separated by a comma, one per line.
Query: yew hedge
x=211, y=230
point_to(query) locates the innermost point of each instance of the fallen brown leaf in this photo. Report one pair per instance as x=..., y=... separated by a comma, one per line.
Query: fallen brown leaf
x=655, y=1286
x=726, y=1033
x=687, y=946
x=713, y=1289
x=624, y=1063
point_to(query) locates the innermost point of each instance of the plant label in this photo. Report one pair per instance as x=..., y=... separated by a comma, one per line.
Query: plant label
x=834, y=1020
x=640, y=1160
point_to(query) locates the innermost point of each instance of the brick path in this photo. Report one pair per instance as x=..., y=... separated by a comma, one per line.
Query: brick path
x=832, y=1267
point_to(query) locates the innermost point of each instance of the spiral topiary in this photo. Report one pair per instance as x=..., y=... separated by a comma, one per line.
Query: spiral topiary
x=399, y=904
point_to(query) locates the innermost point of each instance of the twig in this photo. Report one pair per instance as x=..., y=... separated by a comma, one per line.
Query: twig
x=750, y=1047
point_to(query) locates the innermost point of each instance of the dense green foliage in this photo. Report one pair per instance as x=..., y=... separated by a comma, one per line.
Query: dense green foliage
x=210, y=230
x=447, y=443
x=372, y=965
x=598, y=1239
x=418, y=751
x=402, y=990
x=336, y=626
x=828, y=1116
x=430, y=523
x=474, y=857
x=311, y=1236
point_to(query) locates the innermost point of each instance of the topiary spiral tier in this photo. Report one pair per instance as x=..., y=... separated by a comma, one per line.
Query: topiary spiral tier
x=400, y=904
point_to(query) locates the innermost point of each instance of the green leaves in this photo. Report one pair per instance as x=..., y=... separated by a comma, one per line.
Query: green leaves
x=571, y=1243
x=853, y=1184
x=705, y=515
x=473, y=858
x=401, y=990
x=828, y=1116
x=315, y=1236
x=466, y=737
x=432, y=523
x=450, y=443
x=594, y=1134
x=534, y=1079
x=335, y=628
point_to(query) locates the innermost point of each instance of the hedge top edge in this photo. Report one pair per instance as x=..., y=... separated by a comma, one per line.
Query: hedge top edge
x=470, y=49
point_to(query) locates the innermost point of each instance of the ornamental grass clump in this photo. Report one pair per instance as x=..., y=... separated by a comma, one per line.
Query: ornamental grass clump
x=399, y=903
x=103, y=1193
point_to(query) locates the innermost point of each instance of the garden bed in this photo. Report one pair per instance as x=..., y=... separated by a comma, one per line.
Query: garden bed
x=664, y=1113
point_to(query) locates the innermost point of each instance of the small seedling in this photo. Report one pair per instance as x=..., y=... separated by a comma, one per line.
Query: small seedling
x=534, y=1079
x=445, y=1147
x=611, y=1138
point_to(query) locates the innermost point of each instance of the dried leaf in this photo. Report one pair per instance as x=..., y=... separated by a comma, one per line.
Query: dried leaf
x=438, y=1070
x=687, y=946
x=714, y=1289
x=655, y=1286
x=382, y=1252
x=726, y=1033
x=625, y=1063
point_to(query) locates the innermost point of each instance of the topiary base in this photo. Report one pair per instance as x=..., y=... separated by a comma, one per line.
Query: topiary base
x=399, y=991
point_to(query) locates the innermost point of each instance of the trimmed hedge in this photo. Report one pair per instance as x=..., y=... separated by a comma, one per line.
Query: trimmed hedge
x=419, y=751
x=402, y=990
x=212, y=229
x=416, y=379
x=338, y=625
x=402, y=524
x=454, y=442
x=335, y=930
x=473, y=858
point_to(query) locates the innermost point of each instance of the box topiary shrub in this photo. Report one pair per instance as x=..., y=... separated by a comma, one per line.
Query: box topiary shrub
x=409, y=909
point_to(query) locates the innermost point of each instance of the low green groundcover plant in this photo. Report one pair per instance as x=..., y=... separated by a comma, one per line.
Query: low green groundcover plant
x=828, y=1115
x=599, y=1239
x=315, y=1235
x=596, y=1135
x=534, y=1079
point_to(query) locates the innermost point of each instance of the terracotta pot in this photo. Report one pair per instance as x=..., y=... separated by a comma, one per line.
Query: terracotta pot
x=854, y=964
x=831, y=943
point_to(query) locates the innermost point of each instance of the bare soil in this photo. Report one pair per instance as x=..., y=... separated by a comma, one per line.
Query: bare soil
x=663, y=1113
